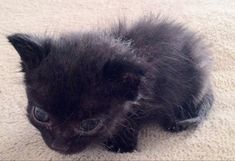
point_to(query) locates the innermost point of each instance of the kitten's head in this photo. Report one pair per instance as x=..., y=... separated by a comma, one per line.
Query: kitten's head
x=76, y=86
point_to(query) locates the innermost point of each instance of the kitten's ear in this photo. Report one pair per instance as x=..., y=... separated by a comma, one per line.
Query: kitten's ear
x=125, y=77
x=31, y=49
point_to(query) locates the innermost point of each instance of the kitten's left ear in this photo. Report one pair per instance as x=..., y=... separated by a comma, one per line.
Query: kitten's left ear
x=31, y=49
x=124, y=76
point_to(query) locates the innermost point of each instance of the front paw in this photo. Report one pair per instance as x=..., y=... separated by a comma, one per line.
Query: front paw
x=121, y=145
x=178, y=126
x=174, y=127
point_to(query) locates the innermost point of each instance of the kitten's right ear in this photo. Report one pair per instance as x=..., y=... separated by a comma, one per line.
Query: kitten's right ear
x=31, y=49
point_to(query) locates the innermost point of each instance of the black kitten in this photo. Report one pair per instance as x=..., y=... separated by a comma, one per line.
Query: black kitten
x=101, y=87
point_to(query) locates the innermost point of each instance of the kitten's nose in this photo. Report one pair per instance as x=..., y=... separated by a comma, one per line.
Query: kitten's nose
x=60, y=145
x=64, y=133
x=68, y=133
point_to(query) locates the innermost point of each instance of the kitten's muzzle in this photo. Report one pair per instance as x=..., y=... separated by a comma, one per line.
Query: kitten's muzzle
x=73, y=140
x=70, y=146
x=60, y=145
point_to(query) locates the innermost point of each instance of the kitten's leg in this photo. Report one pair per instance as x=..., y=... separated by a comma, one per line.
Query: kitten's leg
x=125, y=140
x=188, y=115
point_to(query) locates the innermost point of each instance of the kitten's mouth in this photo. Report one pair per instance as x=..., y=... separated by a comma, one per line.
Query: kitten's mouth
x=60, y=145
x=75, y=145
x=68, y=149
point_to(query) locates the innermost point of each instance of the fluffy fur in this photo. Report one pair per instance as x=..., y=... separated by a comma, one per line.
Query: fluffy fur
x=154, y=70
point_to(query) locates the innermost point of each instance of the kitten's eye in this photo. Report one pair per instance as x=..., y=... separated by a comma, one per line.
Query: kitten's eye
x=89, y=124
x=40, y=114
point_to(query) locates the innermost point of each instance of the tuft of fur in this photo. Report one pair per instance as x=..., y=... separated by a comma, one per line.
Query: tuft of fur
x=153, y=70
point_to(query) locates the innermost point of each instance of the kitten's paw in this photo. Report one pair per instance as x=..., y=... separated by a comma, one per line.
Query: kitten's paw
x=120, y=146
x=178, y=126
x=125, y=140
x=187, y=115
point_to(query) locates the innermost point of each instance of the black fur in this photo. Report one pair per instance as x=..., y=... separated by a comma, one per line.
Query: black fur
x=154, y=69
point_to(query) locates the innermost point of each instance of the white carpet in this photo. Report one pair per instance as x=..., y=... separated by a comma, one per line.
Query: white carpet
x=213, y=140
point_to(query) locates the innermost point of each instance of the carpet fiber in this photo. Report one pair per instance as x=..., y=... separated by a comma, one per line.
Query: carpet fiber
x=214, y=139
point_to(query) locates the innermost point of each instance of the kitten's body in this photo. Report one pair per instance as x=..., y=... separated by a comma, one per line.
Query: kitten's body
x=153, y=70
